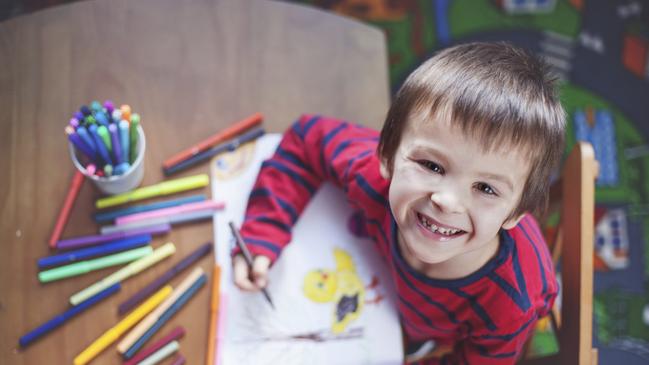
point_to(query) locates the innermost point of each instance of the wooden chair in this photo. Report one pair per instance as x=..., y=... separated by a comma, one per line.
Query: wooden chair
x=574, y=247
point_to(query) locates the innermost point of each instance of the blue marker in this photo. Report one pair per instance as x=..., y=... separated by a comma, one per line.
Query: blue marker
x=102, y=118
x=109, y=216
x=86, y=253
x=101, y=148
x=79, y=143
x=124, y=138
x=85, y=111
x=184, y=298
x=62, y=318
x=83, y=133
x=79, y=116
x=117, y=148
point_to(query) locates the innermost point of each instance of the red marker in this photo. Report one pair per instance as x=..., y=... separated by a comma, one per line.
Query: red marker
x=75, y=186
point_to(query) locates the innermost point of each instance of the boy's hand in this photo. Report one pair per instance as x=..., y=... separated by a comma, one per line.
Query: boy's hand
x=251, y=279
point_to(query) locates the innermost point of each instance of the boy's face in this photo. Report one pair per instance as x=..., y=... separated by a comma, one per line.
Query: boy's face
x=450, y=197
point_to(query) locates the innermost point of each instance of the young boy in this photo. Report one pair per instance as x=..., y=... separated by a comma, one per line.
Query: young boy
x=446, y=192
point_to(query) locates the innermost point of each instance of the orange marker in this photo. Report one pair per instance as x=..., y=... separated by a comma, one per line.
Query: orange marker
x=219, y=137
x=126, y=112
x=214, y=315
x=75, y=186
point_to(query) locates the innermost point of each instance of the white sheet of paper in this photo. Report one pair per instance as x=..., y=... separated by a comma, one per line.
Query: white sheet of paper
x=254, y=333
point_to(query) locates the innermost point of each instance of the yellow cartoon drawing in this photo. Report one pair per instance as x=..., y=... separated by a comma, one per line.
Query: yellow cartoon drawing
x=342, y=286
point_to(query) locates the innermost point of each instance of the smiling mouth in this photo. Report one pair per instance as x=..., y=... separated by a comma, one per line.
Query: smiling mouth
x=428, y=224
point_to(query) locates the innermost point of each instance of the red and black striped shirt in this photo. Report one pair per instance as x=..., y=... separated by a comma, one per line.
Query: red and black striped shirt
x=486, y=317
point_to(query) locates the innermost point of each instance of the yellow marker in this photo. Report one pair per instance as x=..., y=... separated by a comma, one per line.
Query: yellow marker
x=153, y=317
x=124, y=273
x=115, y=332
x=163, y=188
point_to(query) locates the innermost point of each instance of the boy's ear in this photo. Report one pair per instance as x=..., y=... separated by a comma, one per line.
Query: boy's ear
x=512, y=222
x=384, y=170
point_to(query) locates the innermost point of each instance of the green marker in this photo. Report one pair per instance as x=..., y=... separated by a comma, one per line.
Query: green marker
x=105, y=136
x=135, y=122
x=91, y=120
x=108, y=170
x=84, y=267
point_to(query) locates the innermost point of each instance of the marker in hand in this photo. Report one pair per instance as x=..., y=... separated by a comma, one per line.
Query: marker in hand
x=247, y=256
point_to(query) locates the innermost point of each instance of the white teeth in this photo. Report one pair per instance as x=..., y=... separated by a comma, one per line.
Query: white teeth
x=433, y=228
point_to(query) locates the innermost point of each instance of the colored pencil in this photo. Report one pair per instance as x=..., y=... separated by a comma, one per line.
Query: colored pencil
x=141, y=328
x=73, y=191
x=164, y=278
x=86, y=253
x=219, y=137
x=108, y=216
x=161, y=354
x=163, y=188
x=103, y=238
x=84, y=267
x=175, y=334
x=214, y=315
x=171, y=220
x=220, y=148
x=122, y=326
x=126, y=272
x=247, y=256
x=166, y=316
x=166, y=212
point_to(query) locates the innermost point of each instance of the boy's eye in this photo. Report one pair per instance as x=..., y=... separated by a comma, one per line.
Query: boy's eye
x=432, y=166
x=485, y=188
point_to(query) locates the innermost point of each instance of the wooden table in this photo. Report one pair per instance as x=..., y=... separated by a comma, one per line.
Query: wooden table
x=189, y=68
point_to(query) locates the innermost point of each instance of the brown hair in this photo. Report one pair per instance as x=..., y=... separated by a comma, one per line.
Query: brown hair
x=495, y=92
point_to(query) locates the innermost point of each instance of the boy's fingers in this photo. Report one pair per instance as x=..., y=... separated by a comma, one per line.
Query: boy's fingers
x=242, y=274
x=260, y=270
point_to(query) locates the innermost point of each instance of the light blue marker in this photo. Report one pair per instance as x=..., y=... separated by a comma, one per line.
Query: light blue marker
x=121, y=168
x=124, y=138
x=102, y=118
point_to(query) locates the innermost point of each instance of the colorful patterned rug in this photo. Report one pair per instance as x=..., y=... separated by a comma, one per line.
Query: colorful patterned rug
x=600, y=51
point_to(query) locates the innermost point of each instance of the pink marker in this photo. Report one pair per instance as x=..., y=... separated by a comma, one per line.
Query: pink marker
x=165, y=212
x=91, y=169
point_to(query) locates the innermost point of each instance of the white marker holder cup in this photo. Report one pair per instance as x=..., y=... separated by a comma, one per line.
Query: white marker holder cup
x=117, y=184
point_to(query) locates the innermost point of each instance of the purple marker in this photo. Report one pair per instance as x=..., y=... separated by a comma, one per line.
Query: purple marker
x=79, y=116
x=84, y=241
x=114, y=137
x=109, y=107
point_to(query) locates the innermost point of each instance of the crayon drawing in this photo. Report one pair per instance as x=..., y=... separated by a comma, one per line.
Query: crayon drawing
x=333, y=297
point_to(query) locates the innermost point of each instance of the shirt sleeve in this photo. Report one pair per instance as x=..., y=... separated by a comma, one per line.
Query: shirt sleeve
x=313, y=150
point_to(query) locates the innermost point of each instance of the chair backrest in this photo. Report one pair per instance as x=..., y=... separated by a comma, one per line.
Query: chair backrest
x=574, y=247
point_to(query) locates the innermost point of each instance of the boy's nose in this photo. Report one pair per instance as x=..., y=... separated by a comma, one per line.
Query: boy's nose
x=447, y=201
